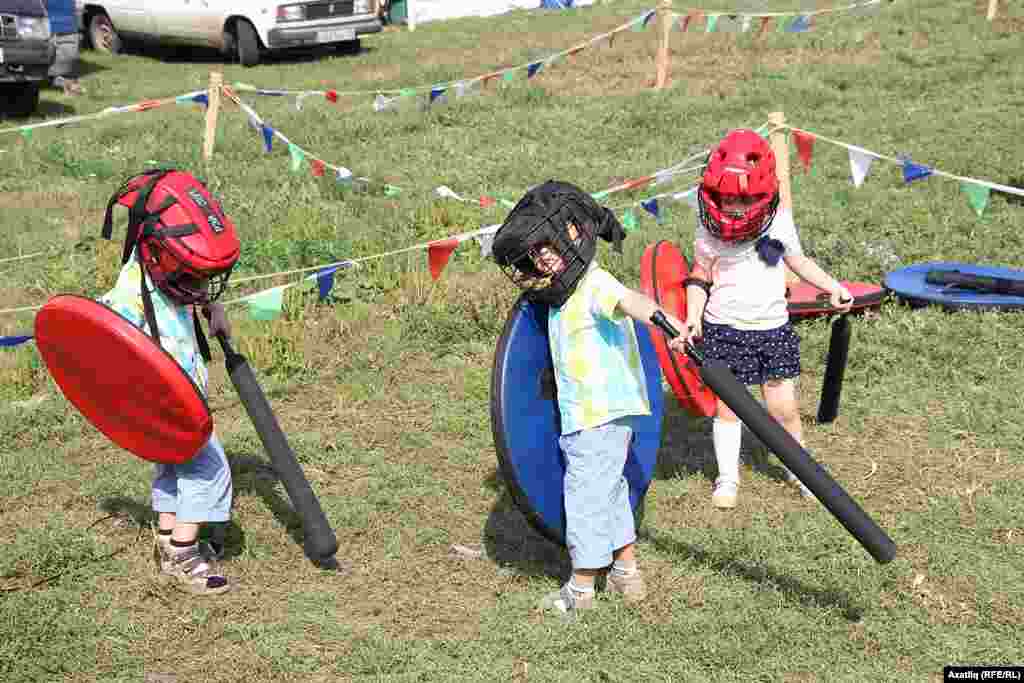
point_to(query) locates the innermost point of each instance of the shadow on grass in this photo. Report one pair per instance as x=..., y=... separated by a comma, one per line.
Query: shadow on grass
x=813, y=596
x=171, y=54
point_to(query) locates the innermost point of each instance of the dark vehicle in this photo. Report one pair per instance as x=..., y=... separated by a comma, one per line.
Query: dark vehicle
x=26, y=53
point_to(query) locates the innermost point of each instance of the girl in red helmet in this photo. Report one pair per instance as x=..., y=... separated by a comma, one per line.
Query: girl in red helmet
x=736, y=292
x=178, y=254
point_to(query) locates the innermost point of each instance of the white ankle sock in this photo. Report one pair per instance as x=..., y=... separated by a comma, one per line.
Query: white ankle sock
x=727, y=437
x=620, y=568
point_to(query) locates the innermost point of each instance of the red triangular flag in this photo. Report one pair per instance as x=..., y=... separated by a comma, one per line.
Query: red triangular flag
x=317, y=167
x=332, y=95
x=804, y=147
x=764, y=25
x=487, y=202
x=438, y=254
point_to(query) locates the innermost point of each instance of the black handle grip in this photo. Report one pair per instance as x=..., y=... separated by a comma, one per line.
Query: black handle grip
x=232, y=358
x=658, y=318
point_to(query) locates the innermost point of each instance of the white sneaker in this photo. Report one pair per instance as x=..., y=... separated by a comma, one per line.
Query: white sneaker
x=723, y=496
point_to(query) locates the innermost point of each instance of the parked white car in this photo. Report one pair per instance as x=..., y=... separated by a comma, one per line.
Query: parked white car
x=240, y=29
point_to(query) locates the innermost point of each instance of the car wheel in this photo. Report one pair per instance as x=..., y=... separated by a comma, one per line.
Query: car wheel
x=102, y=34
x=247, y=45
x=350, y=47
x=23, y=99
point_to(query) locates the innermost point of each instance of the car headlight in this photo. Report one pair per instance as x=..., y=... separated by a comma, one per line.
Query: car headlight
x=362, y=7
x=34, y=27
x=291, y=12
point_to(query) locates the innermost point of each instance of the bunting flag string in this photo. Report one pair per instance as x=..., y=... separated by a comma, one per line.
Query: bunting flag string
x=742, y=22
x=977, y=191
x=386, y=99
x=267, y=304
x=197, y=97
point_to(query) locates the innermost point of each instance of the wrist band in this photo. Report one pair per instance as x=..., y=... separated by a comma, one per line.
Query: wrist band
x=703, y=284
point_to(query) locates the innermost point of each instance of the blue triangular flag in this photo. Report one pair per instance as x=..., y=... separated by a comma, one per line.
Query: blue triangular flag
x=651, y=206
x=325, y=281
x=15, y=341
x=533, y=68
x=268, y=137
x=912, y=171
x=436, y=92
x=202, y=99
x=801, y=24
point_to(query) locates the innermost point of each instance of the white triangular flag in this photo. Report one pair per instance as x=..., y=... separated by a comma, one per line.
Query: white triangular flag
x=747, y=21
x=860, y=164
x=445, y=191
x=381, y=103
x=486, y=241
x=689, y=196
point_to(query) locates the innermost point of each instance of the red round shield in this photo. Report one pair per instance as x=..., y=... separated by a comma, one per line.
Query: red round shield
x=804, y=300
x=122, y=381
x=662, y=271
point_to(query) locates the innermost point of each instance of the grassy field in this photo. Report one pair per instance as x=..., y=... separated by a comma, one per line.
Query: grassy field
x=384, y=390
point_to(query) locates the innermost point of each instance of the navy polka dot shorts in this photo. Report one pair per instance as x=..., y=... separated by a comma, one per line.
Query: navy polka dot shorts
x=754, y=356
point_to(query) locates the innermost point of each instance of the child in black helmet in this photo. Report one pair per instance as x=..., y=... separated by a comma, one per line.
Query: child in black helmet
x=546, y=246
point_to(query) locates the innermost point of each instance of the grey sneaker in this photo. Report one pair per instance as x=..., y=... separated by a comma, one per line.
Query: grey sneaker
x=631, y=585
x=567, y=601
x=164, y=552
x=194, y=574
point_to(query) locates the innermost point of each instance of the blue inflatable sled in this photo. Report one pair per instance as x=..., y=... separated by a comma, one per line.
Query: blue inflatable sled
x=958, y=286
x=526, y=422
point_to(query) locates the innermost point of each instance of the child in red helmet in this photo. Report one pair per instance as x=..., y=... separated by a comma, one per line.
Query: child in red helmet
x=178, y=254
x=736, y=292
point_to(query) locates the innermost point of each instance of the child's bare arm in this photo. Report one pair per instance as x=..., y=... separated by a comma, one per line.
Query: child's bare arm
x=641, y=308
x=809, y=271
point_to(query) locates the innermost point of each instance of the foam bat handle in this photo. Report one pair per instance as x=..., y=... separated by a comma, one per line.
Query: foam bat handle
x=979, y=283
x=835, y=368
x=718, y=376
x=319, y=543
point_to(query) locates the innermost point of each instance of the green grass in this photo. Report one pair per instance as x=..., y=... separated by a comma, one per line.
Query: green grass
x=384, y=391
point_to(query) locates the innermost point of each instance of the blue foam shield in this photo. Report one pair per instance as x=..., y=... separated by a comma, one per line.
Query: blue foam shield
x=526, y=422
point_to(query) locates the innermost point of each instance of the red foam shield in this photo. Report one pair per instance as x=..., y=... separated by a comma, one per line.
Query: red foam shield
x=805, y=300
x=662, y=271
x=122, y=381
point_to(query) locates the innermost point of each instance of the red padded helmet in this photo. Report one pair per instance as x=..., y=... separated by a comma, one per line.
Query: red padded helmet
x=185, y=241
x=743, y=165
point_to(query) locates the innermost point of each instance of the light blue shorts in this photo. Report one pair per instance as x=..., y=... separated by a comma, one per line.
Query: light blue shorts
x=198, y=490
x=598, y=516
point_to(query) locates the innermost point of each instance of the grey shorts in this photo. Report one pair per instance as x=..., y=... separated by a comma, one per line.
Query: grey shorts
x=66, y=62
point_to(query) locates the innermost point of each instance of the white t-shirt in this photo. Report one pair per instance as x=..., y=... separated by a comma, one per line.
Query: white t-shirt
x=746, y=293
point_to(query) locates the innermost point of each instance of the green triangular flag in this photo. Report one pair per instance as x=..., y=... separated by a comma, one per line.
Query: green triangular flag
x=509, y=76
x=712, y=22
x=628, y=220
x=390, y=190
x=26, y=133
x=601, y=195
x=507, y=203
x=297, y=156
x=267, y=305
x=977, y=195
x=407, y=92
x=781, y=23
x=639, y=25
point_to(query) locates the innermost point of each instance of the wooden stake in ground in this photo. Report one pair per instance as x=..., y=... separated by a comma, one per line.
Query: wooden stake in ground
x=993, y=7
x=212, y=109
x=662, y=61
x=780, y=145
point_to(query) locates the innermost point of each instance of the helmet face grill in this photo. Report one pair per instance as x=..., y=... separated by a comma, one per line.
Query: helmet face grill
x=547, y=242
x=739, y=193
